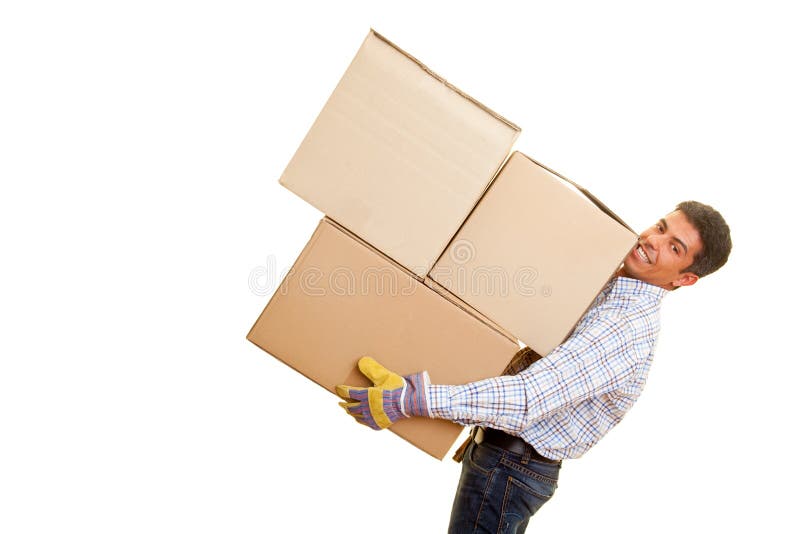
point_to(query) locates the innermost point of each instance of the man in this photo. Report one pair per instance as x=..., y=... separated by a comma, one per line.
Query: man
x=561, y=405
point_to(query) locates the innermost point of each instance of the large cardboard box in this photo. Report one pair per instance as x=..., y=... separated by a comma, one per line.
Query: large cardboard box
x=534, y=253
x=398, y=155
x=343, y=299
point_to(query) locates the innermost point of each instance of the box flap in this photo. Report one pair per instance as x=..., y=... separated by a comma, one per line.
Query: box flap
x=596, y=201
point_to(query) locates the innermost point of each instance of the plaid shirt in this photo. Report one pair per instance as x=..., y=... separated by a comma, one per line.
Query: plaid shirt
x=564, y=403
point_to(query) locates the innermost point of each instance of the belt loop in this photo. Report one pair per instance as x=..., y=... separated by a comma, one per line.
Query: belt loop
x=526, y=456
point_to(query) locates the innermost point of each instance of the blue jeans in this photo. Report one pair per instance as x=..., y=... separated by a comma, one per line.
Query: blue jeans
x=499, y=491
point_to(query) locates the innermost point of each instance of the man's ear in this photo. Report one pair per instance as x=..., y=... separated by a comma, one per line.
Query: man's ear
x=685, y=279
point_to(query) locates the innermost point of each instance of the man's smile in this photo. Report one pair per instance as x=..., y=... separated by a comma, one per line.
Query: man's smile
x=642, y=254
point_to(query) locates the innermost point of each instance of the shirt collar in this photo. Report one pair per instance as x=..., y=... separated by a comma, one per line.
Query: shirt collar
x=623, y=286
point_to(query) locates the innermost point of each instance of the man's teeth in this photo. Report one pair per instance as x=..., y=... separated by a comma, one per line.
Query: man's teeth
x=642, y=255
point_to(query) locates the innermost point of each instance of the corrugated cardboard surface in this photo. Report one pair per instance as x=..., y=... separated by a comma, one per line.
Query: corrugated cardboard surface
x=533, y=254
x=467, y=308
x=398, y=155
x=343, y=300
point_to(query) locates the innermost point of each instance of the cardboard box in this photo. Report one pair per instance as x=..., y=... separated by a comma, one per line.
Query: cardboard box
x=534, y=253
x=398, y=155
x=343, y=299
x=466, y=308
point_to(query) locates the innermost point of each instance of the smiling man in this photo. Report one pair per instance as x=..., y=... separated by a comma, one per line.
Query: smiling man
x=545, y=410
x=667, y=250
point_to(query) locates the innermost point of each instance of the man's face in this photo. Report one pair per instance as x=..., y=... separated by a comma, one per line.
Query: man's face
x=664, y=250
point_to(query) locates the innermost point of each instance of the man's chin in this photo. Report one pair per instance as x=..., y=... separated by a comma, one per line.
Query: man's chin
x=629, y=270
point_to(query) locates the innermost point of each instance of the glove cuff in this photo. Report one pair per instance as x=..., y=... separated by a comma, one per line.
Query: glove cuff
x=415, y=398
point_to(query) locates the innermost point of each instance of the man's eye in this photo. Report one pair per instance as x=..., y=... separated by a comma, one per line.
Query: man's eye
x=674, y=249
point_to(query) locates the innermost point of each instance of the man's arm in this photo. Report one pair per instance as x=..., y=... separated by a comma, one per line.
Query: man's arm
x=595, y=360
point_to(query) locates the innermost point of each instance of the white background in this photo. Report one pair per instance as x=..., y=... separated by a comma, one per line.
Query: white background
x=140, y=147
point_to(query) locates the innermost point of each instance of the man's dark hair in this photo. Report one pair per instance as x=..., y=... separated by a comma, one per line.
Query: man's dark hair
x=714, y=233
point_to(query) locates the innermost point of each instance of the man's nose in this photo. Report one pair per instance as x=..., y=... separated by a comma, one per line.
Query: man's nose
x=655, y=240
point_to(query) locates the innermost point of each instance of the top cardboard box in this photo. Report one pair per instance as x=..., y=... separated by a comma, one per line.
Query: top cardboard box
x=534, y=253
x=398, y=155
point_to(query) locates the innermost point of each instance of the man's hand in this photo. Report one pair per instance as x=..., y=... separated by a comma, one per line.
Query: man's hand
x=391, y=398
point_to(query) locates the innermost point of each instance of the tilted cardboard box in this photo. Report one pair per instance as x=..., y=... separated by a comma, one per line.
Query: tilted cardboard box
x=343, y=299
x=398, y=155
x=534, y=253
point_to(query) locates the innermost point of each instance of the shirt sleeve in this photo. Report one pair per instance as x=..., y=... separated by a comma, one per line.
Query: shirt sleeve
x=596, y=359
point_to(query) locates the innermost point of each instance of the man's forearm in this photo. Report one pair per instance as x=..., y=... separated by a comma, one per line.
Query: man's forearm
x=592, y=362
x=499, y=402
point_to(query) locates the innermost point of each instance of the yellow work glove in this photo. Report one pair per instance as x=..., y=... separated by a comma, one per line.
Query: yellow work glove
x=392, y=396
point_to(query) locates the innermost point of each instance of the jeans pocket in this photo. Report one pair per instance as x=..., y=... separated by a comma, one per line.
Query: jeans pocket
x=535, y=474
x=521, y=500
x=483, y=458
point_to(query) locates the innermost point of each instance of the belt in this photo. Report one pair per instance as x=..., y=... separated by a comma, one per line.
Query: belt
x=498, y=438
